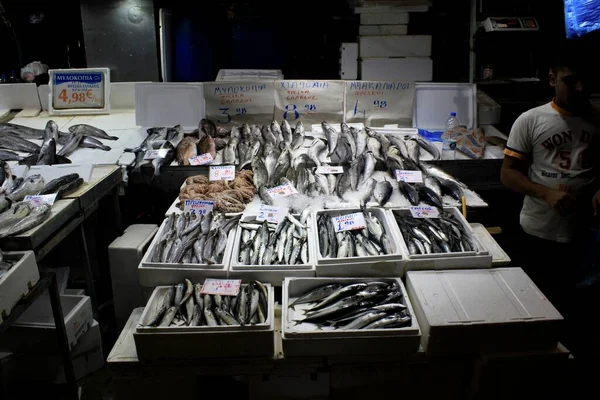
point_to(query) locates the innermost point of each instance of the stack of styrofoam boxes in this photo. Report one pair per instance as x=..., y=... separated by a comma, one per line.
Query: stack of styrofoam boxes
x=386, y=52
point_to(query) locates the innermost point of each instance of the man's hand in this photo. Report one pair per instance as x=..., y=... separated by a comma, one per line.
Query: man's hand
x=596, y=202
x=562, y=202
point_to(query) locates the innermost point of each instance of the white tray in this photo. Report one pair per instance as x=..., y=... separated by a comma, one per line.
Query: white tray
x=17, y=282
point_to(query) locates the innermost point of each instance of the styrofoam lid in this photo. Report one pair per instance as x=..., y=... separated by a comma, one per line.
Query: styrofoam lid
x=435, y=101
x=459, y=297
x=169, y=104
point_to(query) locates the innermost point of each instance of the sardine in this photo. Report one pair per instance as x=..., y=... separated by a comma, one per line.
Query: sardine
x=168, y=317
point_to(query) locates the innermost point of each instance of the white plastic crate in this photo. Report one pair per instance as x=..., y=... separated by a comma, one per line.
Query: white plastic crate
x=189, y=342
x=395, y=46
x=388, y=265
x=441, y=261
x=411, y=69
x=17, y=282
x=297, y=342
x=248, y=74
x=472, y=311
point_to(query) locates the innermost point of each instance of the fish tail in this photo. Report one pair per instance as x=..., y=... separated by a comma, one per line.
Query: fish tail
x=112, y=138
x=106, y=148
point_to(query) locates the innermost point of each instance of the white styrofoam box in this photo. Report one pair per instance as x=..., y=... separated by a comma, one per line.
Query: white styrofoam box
x=228, y=75
x=473, y=311
x=408, y=69
x=169, y=104
x=395, y=46
x=273, y=274
x=387, y=265
x=17, y=282
x=378, y=30
x=74, y=292
x=499, y=256
x=435, y=101
x=124, y=256
x=349, y=61
x=388, y=18
x=16, y=96
x=203, y=341
x=43, y=93
x=77, y=313
x=440, y=261
x=306, y=342
x=488, y=111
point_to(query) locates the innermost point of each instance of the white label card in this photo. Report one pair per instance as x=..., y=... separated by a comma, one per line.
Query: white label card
x=282, y=191
x=198, y=207
x=221, y=173
x=329, y=170
x=152, y=154
x=223, y=287
x=202, y=159
x=349, y=222
x=271, y=213
x=78, y=90
x=230, y=103
x=376, y=103
x=42, y=199
x=409, y=176
x=424, y=212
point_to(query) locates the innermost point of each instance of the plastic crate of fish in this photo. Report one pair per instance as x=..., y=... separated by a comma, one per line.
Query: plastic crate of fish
x=187, y=342
x=432, y=243
x=295, y=259
x=374, y=250
x=353, y=316
x=18, y=274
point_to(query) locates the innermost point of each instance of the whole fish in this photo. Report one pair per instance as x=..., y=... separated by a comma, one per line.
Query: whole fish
x=93, y=143
x=350, y=142
x=315, y=150
x=432, y=183
x=169, y=316
x=186, y=149
x=157, y=163
x=382, y=192
x=260, y=173
x=298, y=136
x=88, y=130
x=428, y=147
x=369, y=166
x=286, y=132
x=38, y=215
x=270, y=158
x=230, y=152
x=47, y=155
x=332, y=137
x=30, y=185
x=71, y=144
x=175, y=135
x=6, y=177
x=24, y=131
x=276, y=130
x=207, y=145
x=429, y=196
x=15, y=214
x=409, y=192
x=414, y=150
x=55, y=184
x=283, y=164
x=269, y=136
x=6, y=155
x=208, y=127
x=451, y=188
x=16, y=143
x=361, y=140
x=250, y=153
x=316, y=294
x=374, y=147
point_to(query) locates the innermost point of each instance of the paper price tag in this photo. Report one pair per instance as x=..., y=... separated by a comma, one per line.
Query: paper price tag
x=78, y=90
x=424, y=212
x=282, y=191
x=42, y=199
x=329, y=170
x=409, y=176
x=349, y=222
x=272, y=214
x=223, y=287
x=198, y=207
x=221, y=173
x=152, y=154
x=202, y=159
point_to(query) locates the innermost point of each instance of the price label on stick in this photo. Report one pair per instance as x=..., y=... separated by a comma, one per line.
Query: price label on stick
x=282, y=191
x=152, y=154
x=221, y=173
x=198, y=207
x=42, y=199
x=202, y=159
x=78, y=89
x=409, y=176
x=349, y=222
x=224, y=287
x=424, y=212
x=329, y=170
x=271, y=213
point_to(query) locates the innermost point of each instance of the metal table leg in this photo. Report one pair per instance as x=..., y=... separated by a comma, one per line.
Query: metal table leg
x=63, y=341
x=90, y=288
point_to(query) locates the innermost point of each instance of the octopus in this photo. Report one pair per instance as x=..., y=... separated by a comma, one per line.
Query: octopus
x=228, y=196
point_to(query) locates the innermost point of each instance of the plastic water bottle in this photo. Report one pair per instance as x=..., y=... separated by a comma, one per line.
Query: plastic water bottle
x=449, y=145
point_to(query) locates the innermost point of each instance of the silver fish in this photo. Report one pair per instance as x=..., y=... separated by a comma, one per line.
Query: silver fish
x=332, y=137
x=93, y=143
x=382, y=192
x=30, y=185
x=168, y=317
x=89, y=130
x=260, y=173
x=71, y=145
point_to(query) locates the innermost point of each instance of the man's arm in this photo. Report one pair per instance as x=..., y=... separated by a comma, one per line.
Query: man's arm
x=513, y=177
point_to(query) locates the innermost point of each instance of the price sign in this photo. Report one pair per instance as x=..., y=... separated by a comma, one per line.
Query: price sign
x=198, y=207
x=152, y=154
x=349, y=222
x=272, y=214
x=409, y=176
x=41, y=199
x=376, y=103
x=329, y=170
x=202, y=159
x=223, y=287
x=82, y=89
x=282, y=191
x=424, y=212
x=229, y=103
x=221, y=173
x=310, y=101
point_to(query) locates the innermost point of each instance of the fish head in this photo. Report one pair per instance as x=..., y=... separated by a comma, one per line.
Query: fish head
x=51, y=130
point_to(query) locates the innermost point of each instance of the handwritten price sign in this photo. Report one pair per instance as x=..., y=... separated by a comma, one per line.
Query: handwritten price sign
x=202, y=159
x=198, y=207
x=409, y=176
x=329, y=170
x=272, y=214
x=377, y=103
x=424, y=212
x=78, y=90
x=221, y=173
x=223, y=287
x=282, y=191
x=349, y=222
